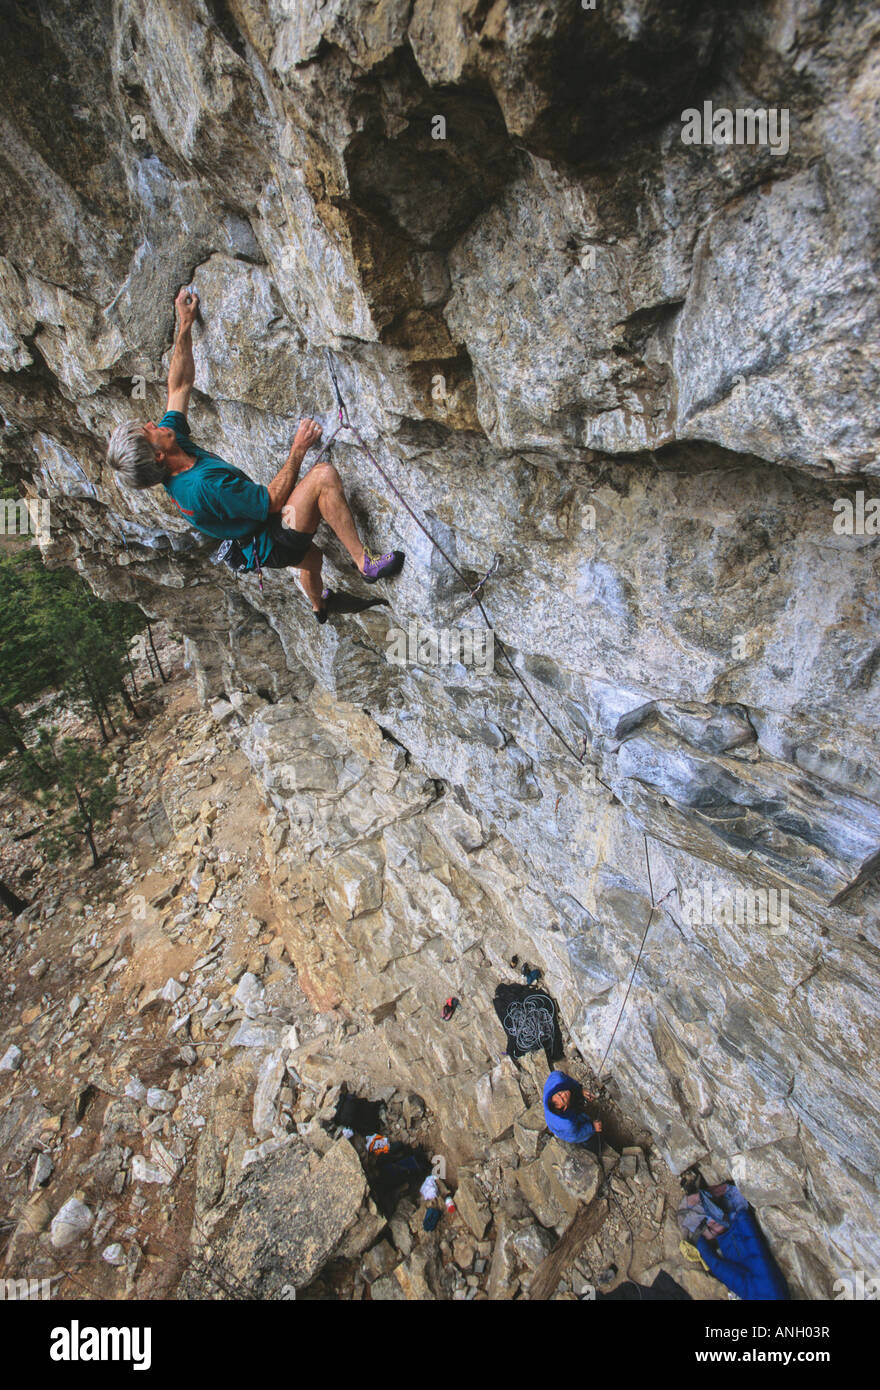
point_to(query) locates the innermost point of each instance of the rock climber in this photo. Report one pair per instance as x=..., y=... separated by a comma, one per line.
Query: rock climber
x=270, y=527
x=565, y=1111
x=722, y=1225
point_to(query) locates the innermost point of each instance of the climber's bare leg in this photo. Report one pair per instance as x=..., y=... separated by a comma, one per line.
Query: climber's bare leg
x=319, y=497
x=310, y=575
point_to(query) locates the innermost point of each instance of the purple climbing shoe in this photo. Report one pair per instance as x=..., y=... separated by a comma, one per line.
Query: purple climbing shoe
x=381, y=566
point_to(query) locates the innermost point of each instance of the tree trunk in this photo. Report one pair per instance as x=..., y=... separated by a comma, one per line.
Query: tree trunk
x=109, y=716
x=87, y=826
x=95, y=860
x=127, y=700
x=11, y=900
x=575, y=1236
x=156, y=654
x=105, y=737
x=131, y=676
x=14, y=735
x=20, y=744
x=95, y=702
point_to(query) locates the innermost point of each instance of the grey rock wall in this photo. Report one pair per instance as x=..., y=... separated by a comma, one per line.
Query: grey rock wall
x=659, y=374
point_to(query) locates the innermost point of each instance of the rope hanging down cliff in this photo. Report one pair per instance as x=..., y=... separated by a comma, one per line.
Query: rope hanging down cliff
x=637, y=962
x=346, y=424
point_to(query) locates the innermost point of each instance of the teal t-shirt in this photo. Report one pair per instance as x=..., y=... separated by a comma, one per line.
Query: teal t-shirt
x=216, y=497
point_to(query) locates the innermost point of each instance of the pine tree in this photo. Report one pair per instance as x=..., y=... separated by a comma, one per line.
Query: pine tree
x=28, y=665
x=57, y=636
x=61, y=646
x=80, y=799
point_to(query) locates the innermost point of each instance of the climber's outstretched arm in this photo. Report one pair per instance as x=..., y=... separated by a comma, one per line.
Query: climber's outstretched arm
x=182, y=372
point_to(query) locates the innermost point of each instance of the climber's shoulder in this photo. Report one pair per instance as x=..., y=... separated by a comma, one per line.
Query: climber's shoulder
x=176, y=420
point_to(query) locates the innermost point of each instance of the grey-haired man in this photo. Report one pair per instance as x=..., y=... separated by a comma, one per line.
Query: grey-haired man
x=273, y=525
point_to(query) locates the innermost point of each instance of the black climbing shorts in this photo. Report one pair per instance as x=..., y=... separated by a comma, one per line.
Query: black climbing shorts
x=288, y=547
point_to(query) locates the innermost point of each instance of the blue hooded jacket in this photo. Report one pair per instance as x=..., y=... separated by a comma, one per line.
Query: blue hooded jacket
x=744, y=1263
x=574, y=1126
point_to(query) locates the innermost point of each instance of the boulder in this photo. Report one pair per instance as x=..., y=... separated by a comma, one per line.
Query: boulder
x=145, y=1170
x=11, y=1059
x=419, y=1276
x=533, y=1244
x=574, y=1174
x=159, y=1099
x=286, y=1222
x=471, y=1204
x=43, y=1168
x=503, y=1282
x=387, y=1290
x=379, y=1259
x=368, y=1227
x=269, y=1081
x=528, y=1130
x=70, y=1223
x=534, y=1182
x=499, y=1099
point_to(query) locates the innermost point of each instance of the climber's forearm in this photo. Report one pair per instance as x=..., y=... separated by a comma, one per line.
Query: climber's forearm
x=283, y=483
x=182, y=372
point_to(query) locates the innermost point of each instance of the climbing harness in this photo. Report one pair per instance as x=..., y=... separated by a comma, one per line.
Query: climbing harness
x=345, y=423
x=231, y=553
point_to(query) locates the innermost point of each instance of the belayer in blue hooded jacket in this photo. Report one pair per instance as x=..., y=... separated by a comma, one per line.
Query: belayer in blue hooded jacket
x=743, y=1262
x=571, y=1123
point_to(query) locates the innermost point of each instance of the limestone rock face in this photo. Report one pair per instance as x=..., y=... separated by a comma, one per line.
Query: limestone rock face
x=642, y=374
x=285, y=1222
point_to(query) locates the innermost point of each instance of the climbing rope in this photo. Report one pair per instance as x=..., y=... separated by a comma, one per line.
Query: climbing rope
x=345, y=423
x=605, y=1184
x=636, y=966
x=580, y=757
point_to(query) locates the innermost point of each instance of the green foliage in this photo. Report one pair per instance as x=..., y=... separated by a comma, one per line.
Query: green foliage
x=65, y=648
x=56, y=636
x=28, y=666
x=79, y=799
x=8, y=491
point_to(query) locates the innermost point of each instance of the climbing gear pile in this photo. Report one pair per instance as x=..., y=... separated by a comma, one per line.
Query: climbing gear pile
x=530, y=1019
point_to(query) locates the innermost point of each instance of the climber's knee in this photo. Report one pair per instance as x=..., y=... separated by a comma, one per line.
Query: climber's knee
x=325, y=476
